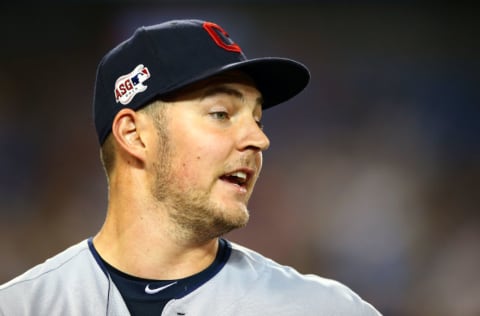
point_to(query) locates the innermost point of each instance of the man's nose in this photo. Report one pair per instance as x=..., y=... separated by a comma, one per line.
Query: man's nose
x=253, y=137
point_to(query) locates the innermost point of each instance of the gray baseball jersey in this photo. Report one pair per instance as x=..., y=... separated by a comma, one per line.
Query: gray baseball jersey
x=73, y=283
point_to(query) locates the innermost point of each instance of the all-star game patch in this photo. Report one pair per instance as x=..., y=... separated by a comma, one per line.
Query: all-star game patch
x=127, y=86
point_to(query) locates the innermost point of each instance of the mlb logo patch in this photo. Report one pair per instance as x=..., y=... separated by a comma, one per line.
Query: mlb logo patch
x=127, y=86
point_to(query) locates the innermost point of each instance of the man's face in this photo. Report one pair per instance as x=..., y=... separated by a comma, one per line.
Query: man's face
x=209, y=156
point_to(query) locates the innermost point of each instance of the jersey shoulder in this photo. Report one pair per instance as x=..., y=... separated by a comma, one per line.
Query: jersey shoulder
x=285, y=287
x=51, y=266
x=53, y=285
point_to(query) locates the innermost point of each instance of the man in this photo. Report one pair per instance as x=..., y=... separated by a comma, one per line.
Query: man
x=178, y=112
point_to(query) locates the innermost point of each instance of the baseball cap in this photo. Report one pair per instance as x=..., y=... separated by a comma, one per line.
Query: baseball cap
x=160, y=59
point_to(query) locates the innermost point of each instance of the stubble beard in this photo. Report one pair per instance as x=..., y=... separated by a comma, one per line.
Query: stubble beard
x=196, y=218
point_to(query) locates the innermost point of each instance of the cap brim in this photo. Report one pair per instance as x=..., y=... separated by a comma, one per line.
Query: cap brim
x=277, y=79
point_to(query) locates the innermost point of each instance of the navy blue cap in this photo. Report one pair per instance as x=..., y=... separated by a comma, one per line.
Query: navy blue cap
x=160, y=59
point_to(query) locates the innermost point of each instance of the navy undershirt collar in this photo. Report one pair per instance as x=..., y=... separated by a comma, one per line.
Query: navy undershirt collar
x=134, y=290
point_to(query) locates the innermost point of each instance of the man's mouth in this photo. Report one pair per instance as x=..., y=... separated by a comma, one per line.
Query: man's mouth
x=240, y=178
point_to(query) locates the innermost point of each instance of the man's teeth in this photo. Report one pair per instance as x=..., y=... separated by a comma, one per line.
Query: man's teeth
x=238, y=177
x=239, y=174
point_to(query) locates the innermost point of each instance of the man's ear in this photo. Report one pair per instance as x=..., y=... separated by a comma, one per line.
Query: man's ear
x=126, y=128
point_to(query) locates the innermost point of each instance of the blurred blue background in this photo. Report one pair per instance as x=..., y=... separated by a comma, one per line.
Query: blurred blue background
x=373, y=176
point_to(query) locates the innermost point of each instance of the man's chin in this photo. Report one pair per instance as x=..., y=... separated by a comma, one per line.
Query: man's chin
x=203, y=225
x=227, y=222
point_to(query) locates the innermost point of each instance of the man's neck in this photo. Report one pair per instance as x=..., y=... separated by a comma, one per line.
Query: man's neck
x=137, y=242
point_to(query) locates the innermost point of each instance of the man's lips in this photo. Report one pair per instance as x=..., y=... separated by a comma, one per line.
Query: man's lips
x=241, y=177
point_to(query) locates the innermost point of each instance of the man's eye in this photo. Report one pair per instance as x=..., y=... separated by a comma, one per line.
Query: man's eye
x=219, y=115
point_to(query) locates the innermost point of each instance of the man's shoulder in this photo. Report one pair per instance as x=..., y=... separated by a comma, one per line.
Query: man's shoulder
x=68, y=283
x=270, y=280
x=52, y=269
x=265, y=270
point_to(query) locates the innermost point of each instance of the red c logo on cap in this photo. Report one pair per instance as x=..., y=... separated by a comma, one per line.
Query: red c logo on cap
x=215, y=32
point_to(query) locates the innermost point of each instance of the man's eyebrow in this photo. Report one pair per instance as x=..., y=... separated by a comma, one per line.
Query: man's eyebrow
x=222, y=89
